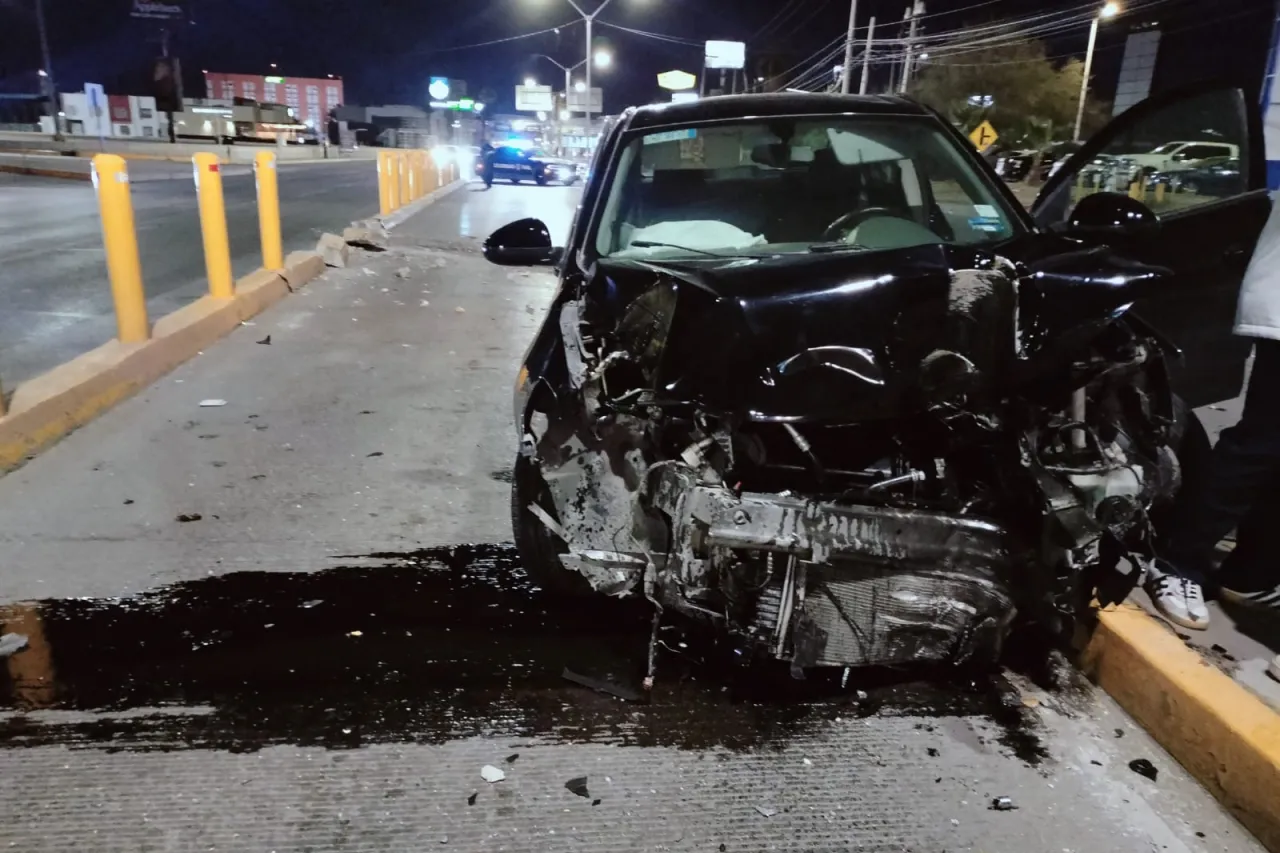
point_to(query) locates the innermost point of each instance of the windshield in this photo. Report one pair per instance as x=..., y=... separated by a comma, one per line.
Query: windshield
x=797, y=185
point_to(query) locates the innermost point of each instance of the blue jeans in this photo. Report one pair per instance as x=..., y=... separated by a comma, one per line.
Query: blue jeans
x=1240, y=491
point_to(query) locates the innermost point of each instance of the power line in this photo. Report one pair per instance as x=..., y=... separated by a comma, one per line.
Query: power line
x=655, y=36
x=789, y=8
x=502, y=41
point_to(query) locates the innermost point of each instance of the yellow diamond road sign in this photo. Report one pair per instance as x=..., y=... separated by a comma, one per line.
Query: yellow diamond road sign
x=984, y=136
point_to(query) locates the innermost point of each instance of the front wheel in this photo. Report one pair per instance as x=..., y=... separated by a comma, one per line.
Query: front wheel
x=539, y=548
x=515, y=181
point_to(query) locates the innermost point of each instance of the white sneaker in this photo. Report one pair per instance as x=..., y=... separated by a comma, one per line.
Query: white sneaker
x=1179, y=600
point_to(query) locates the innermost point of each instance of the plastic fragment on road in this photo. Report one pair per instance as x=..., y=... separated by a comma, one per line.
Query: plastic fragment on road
x=1143, y=767
x=11, y=644
x=355, y=633
x=511, y=759
x=471, y=800
x=606, y=687
x=188, y=517
x=459, y=310
x=1002, y=804
x=766, y=811
x=578, y=785
x=266, y=341
x=491, y=774
x=212, y=404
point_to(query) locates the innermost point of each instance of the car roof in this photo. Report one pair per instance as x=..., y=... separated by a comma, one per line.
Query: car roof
x=772, y=104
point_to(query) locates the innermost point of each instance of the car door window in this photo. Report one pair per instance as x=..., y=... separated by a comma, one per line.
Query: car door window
x=1130, y=162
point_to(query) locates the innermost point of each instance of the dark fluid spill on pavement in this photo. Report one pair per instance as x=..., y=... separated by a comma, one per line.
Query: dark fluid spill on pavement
x=434, y=646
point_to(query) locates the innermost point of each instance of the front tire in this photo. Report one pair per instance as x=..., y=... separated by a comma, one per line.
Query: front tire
x=539, y=548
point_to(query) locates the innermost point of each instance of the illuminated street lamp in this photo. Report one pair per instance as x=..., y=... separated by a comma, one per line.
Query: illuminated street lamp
x=565, y=115
x=580, y=86
x=1109, y=10
x=530, y=82
x=603, y=59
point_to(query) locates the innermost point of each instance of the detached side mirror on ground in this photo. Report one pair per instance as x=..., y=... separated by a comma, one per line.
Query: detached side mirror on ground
x=1107, y=213
x=523, y=243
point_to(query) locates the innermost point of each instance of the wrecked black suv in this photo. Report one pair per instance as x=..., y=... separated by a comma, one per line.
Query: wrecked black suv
x=813, y=376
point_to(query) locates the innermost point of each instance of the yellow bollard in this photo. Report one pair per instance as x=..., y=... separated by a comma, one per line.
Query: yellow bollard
x=264, y=170
x=420, y=172
x=415, y=183
x=384, y=184
x=392, y=178
x=406, y=184
x=120, y=237
x=213, y=223
x=1160, y=193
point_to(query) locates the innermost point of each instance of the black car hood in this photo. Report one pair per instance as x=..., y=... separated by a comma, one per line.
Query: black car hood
x=855, y=336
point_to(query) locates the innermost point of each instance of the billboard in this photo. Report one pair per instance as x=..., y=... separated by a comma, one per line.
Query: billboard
x=1136, y=69
x=578, y=101
x=166, y=76
x=729, y=55
x=157, y=11
x=534, y=99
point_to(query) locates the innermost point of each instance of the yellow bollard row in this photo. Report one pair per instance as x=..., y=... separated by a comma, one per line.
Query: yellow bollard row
x=403, y=177
x=407, y=176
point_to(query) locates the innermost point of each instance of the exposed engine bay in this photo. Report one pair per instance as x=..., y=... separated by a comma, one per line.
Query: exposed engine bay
x=860, y=470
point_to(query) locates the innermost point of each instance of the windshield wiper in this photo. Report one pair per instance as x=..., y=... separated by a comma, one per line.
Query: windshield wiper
x=819, y=248
x=650, y=244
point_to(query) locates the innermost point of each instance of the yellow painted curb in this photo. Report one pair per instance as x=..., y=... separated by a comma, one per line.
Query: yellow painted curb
x=1225, y=736
x=46, y=408
x=38, y=172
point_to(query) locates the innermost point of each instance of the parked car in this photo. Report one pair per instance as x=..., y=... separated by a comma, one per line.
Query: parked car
x=516, y=163
x=813, y=377
x=1218, y=176
x=1173, y=156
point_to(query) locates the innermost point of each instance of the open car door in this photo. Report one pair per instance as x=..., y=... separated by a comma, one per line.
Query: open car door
x=1206, y=237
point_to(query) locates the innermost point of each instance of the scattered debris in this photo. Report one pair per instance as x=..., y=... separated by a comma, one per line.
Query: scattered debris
x=1119, y=733
x=1217, y=408
x=1221, y=651
x=807, y=763
x=1143, y=767
x=404, y=272
x=933, y=752
x=187, y=518
x=766, y=811
x=459, y=310
x=355, y=633
x=471, y=800
x=596, y=802
x=1030, y=701
x=1002, y=804
x=1199, y=835
x=212, y=404
x=1273, y=668
x=722, y=848
x=11, y=644
x=266, y=341
x=423, y=304
x=444, y=839
x=578, y=785
x=606, y=687
x=375, y=453
x=307, y=605
x=258, y=477
x=1096, y=762
x=491, y=774
x=511, y=759
x=366, y=412
x=128, y=501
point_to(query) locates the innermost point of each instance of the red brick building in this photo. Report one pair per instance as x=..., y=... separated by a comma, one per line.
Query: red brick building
x=310, y=98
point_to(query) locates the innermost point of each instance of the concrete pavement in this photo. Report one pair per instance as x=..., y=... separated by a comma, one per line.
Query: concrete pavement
x=54, y=288
x=328, y=655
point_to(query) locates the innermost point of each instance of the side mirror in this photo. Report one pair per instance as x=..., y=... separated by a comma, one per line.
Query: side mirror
x=1103, y=214
x=523, y=243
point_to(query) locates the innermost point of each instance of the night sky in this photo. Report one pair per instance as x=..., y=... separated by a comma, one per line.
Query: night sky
x=386, y=50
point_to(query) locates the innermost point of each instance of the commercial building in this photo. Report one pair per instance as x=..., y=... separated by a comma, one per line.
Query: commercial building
x=311, y=99
x=125, y=116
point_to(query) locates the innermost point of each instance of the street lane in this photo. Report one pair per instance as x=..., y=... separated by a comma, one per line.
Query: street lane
x=54, y=288
x=330, y=654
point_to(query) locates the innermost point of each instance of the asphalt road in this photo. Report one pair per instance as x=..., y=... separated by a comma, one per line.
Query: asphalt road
x=54, y=287
x=338, y=638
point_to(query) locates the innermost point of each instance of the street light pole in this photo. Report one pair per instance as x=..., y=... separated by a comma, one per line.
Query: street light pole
x=1107, y=11
x=590, y=19
x=866, y=56
x=50, y=87
x=846, y=81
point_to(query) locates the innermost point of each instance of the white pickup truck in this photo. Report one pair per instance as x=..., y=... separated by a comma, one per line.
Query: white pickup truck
x=1175, y=156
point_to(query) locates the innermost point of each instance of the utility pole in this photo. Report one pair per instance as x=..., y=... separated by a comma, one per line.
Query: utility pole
x=916, y=10
x=46, y=77
x=866, y=57
x=846, y=81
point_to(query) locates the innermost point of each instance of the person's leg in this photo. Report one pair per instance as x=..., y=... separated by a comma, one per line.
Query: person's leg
x=1244, y=463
